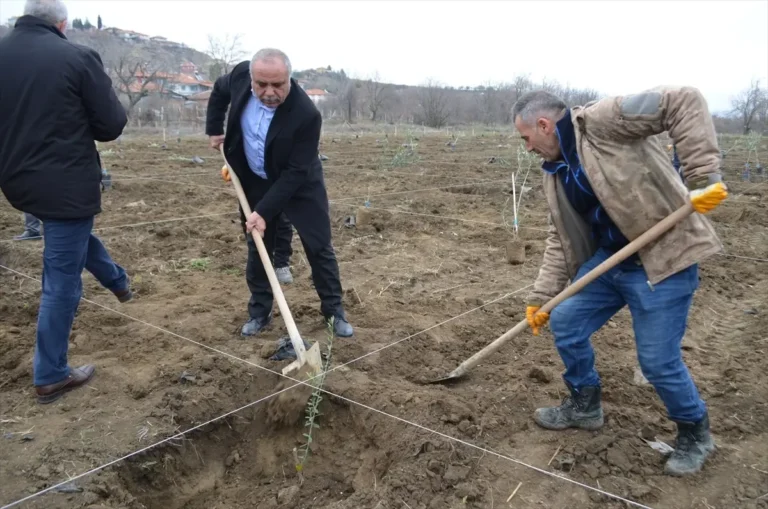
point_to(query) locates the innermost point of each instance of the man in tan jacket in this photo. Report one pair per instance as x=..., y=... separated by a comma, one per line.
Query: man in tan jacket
x=608, y=179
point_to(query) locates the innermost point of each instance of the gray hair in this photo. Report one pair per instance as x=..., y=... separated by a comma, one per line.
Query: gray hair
x=271, y=54
x=538, y=103
x=52, y=11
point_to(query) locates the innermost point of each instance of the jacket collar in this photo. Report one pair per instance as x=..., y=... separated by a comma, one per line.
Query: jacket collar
x=566, y=136
x=28, y=21
x=291, y=99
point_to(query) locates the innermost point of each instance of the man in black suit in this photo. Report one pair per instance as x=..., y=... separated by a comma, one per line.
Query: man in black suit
x=271, y=142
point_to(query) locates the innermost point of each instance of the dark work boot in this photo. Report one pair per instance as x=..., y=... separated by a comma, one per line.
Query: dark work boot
x=581, y=409
x=693, y=446
x=255, y=325
x=341, y=326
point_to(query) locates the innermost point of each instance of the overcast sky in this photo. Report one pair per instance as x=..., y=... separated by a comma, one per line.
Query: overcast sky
x=617, y=47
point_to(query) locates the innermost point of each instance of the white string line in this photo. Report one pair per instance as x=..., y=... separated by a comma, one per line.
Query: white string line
x=117, y=177
x=147, y=223
x=398, y=211
x=473, y=159
x=144, y=223
x=481, y=182
x=181, y=182
x=744, y=257
x=467, y=184
x=381, y=173
x=230, y=356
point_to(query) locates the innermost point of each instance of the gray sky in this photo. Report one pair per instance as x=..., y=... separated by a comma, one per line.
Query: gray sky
x=617, y=47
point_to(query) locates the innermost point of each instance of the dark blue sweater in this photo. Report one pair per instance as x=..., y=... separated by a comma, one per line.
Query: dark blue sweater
x=579, y=190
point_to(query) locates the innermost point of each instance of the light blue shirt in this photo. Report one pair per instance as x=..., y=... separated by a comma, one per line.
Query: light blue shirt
x=255, y=124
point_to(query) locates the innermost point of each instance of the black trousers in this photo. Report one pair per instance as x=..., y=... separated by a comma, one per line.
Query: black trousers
x=283, y=239
x=308, y=211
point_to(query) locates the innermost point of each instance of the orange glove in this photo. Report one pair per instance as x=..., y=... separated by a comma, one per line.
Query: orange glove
x=535, y=318
x=225, y=173
x=704, y=200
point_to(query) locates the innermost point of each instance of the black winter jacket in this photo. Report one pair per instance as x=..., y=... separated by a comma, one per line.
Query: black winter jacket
x=55, y=100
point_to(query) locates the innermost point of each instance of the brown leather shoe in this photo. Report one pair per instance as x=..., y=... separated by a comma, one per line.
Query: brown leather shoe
x=77, y=378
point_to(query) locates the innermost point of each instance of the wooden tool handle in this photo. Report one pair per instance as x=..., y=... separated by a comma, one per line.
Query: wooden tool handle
x=282, y=304
x=640, y=242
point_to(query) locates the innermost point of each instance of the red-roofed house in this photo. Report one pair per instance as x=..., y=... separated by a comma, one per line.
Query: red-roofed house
x=317, y=95
x=181, y=84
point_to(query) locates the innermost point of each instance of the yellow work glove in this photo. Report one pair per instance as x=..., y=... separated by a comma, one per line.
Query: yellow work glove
x=704, y=200
x=535, y=318
x=225, y=173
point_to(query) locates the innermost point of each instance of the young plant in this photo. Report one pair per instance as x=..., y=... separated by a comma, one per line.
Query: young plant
x=406, y=153
x=753, y=145
x=525, y=162
x=312, y=410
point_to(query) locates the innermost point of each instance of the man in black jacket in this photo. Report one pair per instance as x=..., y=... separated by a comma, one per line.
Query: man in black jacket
x=271, y=142
x=55, y=101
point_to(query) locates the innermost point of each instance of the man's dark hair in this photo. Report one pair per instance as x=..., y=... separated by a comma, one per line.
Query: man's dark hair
x=538, y=103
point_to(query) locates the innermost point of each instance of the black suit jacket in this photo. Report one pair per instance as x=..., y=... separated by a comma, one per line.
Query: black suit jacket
x=291, y=159
x=55, y=100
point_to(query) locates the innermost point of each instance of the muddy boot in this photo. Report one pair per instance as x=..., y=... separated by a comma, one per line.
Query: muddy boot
x=694, y=445
x=581, y=409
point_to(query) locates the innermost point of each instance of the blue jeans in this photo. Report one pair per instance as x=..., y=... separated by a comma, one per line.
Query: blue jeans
x=659, y=318
x=69, y=248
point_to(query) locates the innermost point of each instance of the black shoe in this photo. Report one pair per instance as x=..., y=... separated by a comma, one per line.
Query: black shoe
x=341, y=326
x=581, y=409
x=693, y=446
x=28, y=235
x=255, y=325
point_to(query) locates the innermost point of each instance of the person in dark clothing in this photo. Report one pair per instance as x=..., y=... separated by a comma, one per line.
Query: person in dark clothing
x=283, y=250
x=55, y=101
x=271, y=142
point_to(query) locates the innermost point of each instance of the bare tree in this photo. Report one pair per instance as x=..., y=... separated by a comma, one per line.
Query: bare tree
x=135, y=80
x=748, y=103
x=226, y=52
x=580, y=97
x=433, y=102
x=377, y=94
x=487, y=99
x=347, y=97
x=521, y=85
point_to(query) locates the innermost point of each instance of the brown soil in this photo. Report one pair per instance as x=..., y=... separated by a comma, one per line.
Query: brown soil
x=403, y=272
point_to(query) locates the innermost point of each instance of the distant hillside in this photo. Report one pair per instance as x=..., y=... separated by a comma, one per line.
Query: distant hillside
x=114, y=44
x=325, y=78
x=158, y=78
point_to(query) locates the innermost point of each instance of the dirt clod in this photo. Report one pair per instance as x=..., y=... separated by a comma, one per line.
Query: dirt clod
x=540, y=375
x=455, y=474
x=287, y=496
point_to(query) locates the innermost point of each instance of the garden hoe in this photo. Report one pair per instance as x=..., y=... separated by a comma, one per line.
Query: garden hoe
x=287, y=406
x=640, y=242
